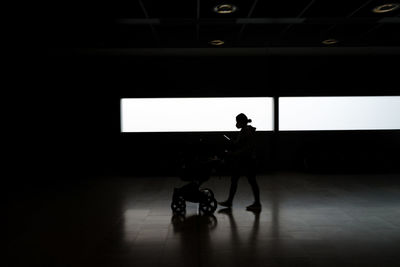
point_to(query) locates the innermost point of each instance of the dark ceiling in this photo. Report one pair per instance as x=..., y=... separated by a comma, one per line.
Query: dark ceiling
x=193, y=23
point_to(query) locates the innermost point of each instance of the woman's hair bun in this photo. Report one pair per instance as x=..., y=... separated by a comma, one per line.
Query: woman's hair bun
x=242, y=118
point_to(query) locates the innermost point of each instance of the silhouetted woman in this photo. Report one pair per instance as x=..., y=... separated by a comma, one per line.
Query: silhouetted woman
x=243, y=161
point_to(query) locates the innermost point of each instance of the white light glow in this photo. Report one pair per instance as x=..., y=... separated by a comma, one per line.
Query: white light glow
x=194, y=114
x=339, y=113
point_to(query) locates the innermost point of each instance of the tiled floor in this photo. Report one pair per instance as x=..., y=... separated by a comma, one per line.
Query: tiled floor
x=306, y=220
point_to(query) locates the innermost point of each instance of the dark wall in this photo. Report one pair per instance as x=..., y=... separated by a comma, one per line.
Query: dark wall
x=340, y=151
x=73, y=104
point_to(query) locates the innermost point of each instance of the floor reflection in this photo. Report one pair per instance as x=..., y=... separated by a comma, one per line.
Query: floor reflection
x=243, y=247
x=305, y=221
x=193, y=233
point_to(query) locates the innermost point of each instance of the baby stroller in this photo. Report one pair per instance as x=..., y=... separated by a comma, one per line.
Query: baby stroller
x=196, y=170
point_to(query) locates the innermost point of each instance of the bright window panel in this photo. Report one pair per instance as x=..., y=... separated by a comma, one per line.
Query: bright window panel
x=194, y=114
x=339, y=113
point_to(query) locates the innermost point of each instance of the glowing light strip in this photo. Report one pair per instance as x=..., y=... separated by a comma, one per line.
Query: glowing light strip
x=194, y=114
x=339, y=113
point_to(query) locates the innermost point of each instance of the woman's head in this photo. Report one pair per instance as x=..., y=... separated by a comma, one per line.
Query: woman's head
x=241, y=120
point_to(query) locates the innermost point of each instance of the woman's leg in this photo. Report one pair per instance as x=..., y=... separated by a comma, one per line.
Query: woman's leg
x=254, y=187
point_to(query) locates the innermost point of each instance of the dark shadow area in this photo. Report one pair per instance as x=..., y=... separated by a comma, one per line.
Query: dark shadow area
x=75, y=111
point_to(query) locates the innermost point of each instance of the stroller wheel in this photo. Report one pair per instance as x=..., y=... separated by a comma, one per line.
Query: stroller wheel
x=208, y=207
x=178, y=206
x=207, y=193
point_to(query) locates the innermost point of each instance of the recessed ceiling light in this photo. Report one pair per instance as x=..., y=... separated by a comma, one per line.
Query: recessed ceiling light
x=216, y=42
x=386, y=8
x=225, y=9
x=330, y=41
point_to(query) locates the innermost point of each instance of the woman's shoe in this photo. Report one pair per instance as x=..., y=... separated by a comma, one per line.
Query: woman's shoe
x=254, y=206
x=227, y=211
x=227, y=204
